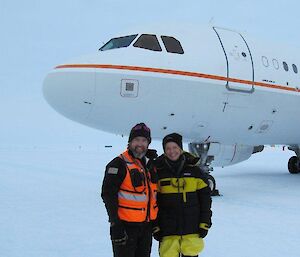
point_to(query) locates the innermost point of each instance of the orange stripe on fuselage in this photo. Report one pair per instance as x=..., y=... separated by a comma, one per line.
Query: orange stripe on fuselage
x=175, y=72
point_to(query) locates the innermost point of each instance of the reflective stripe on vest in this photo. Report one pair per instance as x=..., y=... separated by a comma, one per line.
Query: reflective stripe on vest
x=132, y=197
x=134, y=205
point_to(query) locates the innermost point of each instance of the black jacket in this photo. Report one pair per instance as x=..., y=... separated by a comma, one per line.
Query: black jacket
x=184, y=198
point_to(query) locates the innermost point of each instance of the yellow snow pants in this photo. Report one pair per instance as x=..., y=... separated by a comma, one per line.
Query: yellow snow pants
x=189, y=245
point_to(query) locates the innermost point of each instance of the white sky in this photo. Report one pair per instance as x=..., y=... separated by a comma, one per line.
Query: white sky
x=37, y=35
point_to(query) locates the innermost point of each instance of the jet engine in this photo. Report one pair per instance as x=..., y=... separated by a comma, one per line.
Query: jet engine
x=219, y=155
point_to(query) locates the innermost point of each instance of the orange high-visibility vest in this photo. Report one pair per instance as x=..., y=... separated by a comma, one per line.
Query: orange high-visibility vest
x=136, y=204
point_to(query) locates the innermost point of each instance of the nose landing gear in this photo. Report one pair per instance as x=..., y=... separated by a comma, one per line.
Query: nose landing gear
x=201, y=150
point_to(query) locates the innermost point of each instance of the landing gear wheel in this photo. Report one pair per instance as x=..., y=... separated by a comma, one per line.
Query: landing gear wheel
x=212, y=184
x=293, y=165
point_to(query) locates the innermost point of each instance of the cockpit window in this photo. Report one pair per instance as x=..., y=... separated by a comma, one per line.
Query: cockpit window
x=149, y=42
x=118, y=42
x=172, y=45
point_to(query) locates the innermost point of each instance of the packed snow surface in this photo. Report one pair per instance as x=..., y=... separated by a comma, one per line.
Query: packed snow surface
x=51, y=205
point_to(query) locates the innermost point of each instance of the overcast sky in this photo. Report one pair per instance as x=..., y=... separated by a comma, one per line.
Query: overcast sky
x=37, y=35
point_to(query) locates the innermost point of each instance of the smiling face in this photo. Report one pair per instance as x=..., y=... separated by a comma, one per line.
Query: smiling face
x=173, y=151
x=139, y=146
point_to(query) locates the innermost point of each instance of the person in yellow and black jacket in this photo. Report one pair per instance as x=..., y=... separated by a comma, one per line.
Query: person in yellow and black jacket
x=184, y=201
x=129, y=192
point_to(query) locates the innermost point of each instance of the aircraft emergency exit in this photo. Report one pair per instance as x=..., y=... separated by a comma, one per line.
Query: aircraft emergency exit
x=227, y=94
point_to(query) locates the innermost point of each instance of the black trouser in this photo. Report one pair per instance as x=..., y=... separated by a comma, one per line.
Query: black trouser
x=139, y=241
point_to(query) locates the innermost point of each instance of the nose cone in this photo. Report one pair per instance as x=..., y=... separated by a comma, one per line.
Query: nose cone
x=70, y=91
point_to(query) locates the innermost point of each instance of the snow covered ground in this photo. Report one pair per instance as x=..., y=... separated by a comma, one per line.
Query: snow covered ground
x=50, y=205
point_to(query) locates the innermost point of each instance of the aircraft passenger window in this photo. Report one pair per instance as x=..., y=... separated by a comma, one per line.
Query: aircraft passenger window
x=295, y=69
x=172, y=45
x=118, y=42
x=285, y=66
x=265, y=61
x=275, y=64
x=149, y=42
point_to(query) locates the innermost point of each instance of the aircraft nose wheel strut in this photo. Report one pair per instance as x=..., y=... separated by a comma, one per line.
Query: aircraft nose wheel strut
x=201, y=151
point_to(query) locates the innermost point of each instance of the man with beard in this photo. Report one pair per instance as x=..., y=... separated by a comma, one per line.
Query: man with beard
x=129, y=193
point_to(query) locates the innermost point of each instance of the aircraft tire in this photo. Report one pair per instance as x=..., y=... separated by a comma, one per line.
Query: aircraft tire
x=293, y=165
x=211, y=182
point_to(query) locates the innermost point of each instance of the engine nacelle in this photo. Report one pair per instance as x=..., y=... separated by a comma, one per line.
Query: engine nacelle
x=219, y=155
x=225, y=155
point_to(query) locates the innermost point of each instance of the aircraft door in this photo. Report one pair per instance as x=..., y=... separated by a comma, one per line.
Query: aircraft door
x=240, y=71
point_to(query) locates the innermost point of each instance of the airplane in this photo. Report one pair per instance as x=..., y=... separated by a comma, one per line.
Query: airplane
x=227, y=94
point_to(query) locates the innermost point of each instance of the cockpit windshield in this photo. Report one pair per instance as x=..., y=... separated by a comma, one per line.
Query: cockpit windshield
x=118, y=42
x=172, y=45
x=145, y=41
x=148, y=42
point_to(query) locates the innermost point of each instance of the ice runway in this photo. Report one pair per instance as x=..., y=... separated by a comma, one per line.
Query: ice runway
x=50, y=205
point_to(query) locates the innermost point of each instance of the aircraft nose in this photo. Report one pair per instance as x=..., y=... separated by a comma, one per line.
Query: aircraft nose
x=70, y=92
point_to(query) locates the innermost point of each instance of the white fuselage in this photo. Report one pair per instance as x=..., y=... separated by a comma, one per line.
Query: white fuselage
x=225, y=88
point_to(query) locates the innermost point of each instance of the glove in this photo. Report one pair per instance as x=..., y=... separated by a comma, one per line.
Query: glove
x=118, y=233
x=156, y=233
x=151, y=154
x=203, y=229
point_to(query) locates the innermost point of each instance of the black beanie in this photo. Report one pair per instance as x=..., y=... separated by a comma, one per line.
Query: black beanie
x=140, y=130
x=174, y=137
